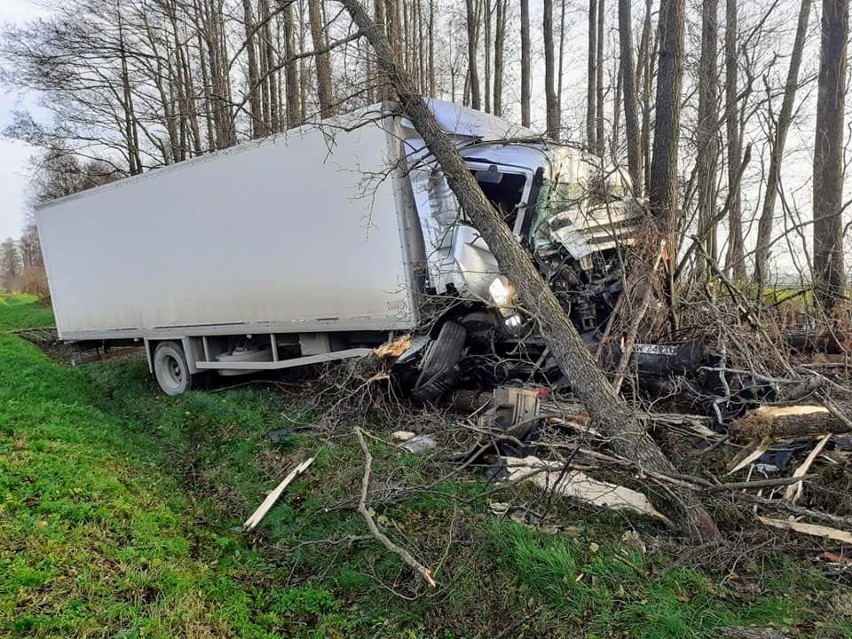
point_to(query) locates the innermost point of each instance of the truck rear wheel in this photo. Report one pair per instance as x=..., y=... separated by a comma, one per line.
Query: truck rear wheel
x=439, y=369
x=172, y=370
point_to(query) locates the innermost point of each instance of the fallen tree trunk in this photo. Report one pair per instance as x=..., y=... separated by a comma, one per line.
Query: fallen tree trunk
x=611, y=414
x=791, y=421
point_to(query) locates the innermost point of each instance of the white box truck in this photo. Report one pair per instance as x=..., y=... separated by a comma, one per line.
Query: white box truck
x=323, y=242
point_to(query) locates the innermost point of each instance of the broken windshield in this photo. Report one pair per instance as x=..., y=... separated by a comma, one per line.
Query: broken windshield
x=578, y=196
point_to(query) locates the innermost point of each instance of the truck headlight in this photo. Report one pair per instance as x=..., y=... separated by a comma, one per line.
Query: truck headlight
x=502, y=292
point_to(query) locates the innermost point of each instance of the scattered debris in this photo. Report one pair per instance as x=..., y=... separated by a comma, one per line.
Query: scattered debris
x=419, y=444
x=403, y=435
x=258, y=515
x=809, y=529
x=574, y=483
x=279, y=435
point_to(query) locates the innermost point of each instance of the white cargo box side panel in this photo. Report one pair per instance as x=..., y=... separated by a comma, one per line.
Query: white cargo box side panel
x=284, y=231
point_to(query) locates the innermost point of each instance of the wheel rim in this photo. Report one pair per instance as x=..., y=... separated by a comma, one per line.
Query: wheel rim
x=171, y=372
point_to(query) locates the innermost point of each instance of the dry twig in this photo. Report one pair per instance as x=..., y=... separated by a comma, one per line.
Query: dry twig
x=406, y=556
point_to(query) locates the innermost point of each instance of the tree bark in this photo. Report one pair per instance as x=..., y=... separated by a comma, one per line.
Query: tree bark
x=473, y=53
x=829, y=276
x=487, y=10
x=735, y=259
x=291, y=69
x=631, y=109
x=526, y=69
x=325, y=94
x=708, y=129
x=612, y=414
x=257, y=124
x=551, y=98
x=645, y=56
x=592, y=73
x=663, y=188
x=776, y=152
x=600, y=136
x=499, y=49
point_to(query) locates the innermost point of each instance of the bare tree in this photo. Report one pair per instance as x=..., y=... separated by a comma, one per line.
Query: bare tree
x=629, y=83
x=526, y=68
x=776, y=151
x=553, y=109
x=829, y=276
x=325, y=92
x=592, y=80
x=10, y=264
x=499, y=51
x=708, y=128
x=474, y=9
x=663, y=187
x=735, y=259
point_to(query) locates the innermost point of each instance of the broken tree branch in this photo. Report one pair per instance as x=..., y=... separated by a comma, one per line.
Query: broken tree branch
x=406, y=556
x=791, y=421
x=758, y=483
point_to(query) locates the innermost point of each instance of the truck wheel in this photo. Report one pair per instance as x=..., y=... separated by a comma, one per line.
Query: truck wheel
x=439, y=369
x=171, y=369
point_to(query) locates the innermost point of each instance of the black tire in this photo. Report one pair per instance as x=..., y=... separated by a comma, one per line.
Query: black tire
x=171, y=369
x=440, y=363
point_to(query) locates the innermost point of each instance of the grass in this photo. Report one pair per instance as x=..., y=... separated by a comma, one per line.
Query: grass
x=19, y=310
x=120, y=511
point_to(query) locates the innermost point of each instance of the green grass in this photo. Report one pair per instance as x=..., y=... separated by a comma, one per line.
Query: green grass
x=19, y=310
x=120, y=511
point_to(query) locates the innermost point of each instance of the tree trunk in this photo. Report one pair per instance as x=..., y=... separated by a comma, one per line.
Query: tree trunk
x=291, y=69
x=708, y=129
x=499, y=49
x=473, y=12
x=257, y=128
x=829, y=277
x=612, y=414
x=591, y=83
x=600, y=136
x=325, y=94
x=735, y=260
x=645, y=55
x=663, y=188
x=486, y=15
x=776, y=152
x=628, y=81
x=551, y=98
x=790, y=421
x=526, y=69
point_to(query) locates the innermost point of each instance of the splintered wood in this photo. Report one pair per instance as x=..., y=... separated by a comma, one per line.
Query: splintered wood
x=258, y=515
x=790, y=421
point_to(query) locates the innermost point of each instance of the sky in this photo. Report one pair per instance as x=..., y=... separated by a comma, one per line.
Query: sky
x=14, y=156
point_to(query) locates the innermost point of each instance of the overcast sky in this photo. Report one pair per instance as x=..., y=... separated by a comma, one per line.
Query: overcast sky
x=14, y=156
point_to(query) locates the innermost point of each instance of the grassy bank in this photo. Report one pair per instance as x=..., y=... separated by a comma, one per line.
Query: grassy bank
x=120, y=512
